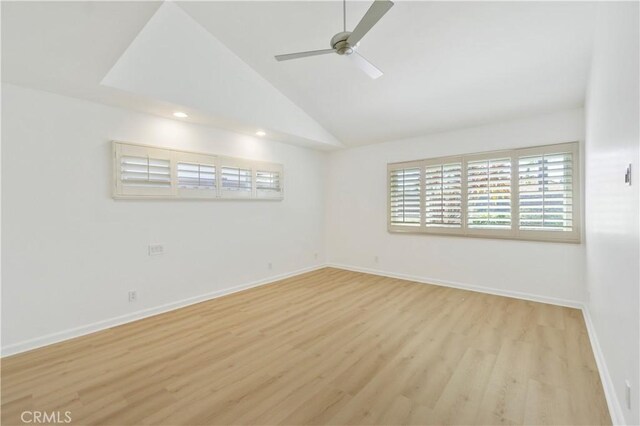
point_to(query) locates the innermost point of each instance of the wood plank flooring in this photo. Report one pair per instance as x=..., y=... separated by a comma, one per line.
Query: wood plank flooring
x=327, y=347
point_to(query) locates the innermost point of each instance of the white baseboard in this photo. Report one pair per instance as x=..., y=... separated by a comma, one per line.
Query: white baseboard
x=27, y=345
x=615, y=409
x=470, y=287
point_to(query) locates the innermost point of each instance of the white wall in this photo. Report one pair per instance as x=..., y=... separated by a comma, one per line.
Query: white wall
x=71, y=253
x=357, y=217
x=612, y=208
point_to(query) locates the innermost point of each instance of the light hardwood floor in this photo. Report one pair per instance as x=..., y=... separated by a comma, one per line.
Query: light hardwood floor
x=327, y=347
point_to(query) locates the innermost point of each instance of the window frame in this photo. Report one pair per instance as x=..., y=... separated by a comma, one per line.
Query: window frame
x=514, y=233
x=173, y=192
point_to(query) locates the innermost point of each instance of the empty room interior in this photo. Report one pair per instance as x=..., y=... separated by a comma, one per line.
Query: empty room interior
x=320, y=212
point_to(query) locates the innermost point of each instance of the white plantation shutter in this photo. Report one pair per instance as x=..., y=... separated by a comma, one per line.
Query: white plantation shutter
x=236, y=181
x=148, y=172
x=196, y=176
x=547, y=192
x=143, y=171
x=489, y=194
x=404, y=197
x=443, y=195
x=546, y=195
x=268, y=183
x=528, y=194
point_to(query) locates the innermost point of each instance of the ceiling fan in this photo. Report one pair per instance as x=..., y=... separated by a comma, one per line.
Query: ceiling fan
x=346, y=42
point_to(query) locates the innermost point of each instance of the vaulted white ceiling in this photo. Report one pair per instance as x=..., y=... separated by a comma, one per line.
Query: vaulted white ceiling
x=446, y=64
x=176, y=60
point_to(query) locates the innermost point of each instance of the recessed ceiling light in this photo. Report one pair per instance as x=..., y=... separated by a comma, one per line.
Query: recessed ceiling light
x=261, y=133
x=180, y=114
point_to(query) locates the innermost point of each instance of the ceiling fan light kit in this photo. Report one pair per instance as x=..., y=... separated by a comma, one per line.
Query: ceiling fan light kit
x=346, y=42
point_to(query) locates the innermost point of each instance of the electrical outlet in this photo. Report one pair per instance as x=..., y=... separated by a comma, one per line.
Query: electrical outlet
x=315, y=256
x=270, y=265
x=376, y=259
x=627, y=393
x=156, y=249
x=133, y=296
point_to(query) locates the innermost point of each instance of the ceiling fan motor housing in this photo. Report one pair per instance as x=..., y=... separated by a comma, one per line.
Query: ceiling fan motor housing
x=339, y=43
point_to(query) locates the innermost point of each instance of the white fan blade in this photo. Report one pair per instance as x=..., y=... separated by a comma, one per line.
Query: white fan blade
x=373, y=15
x=366, y=66
x=303, y=54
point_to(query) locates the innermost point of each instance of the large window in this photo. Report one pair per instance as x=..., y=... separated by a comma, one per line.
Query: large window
x=149, y=172
x=530, y=194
